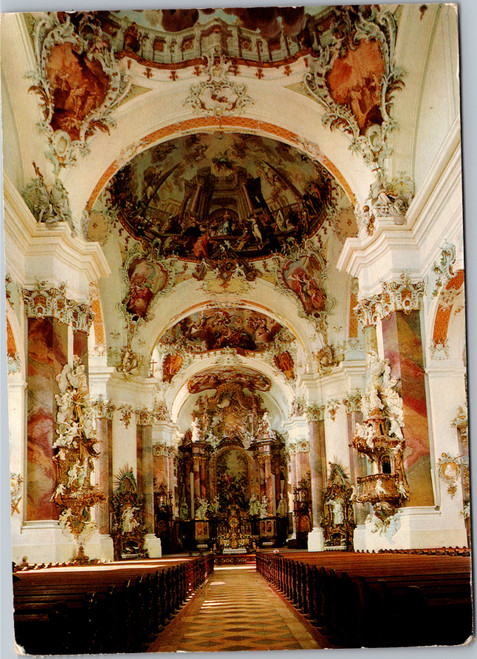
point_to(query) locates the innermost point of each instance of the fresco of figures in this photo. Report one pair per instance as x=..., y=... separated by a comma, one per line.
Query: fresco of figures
x=229, y=412
x=145, y=280
x=213, y=378
x=196, y=195
x=217, y=328
x=305, y=278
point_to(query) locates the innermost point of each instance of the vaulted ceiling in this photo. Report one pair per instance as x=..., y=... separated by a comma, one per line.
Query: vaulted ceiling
x=221, y=158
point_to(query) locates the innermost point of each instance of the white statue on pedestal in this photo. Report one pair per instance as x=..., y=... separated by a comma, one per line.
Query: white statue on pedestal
x=201, y=512
x=195, y=429
x=263, y=505
x=253, y=505
x=128, y=523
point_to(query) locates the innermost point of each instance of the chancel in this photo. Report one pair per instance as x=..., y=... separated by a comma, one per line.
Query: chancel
x=236, y=328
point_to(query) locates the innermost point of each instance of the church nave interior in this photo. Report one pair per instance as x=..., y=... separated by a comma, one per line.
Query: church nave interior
x=235, y=319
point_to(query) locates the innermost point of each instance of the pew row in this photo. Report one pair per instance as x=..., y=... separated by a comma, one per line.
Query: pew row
x=116, y=607
x=374, y=600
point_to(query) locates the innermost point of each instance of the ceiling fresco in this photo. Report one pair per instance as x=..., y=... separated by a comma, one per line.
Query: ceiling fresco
x=197, y=195
x=212, y=378
x=269, y=21
x=217, y=328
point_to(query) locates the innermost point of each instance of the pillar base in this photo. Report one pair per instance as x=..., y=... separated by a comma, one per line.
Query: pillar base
x=101, y=547
x=316, y=539
x=410, y=528
x=153, y=546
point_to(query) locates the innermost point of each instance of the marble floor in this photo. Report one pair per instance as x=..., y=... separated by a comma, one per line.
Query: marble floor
x=236, y=609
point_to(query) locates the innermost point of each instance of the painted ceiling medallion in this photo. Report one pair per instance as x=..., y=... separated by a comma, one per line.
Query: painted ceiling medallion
x=217, y=96
x=78, y=82
x=355, y=78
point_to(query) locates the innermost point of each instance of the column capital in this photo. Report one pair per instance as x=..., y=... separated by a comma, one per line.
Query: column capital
x=46, y=300
x=159, y=448
x=103, y=408
x=398, y=295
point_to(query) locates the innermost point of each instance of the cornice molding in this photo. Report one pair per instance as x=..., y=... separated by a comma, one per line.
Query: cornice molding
x=39, y=245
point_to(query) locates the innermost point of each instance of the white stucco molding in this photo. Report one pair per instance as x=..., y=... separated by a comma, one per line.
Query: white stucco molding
x=434, y=216
x=34, y=251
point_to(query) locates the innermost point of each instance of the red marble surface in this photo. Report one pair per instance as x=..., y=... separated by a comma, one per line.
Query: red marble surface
x=47, y=354
x=403, y=348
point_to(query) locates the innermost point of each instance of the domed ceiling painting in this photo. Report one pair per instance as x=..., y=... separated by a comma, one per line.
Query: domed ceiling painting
x=212, y=378
x=269, y=21
x=199, y=195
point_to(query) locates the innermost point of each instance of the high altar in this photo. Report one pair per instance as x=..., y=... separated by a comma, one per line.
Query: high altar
x=231, y=475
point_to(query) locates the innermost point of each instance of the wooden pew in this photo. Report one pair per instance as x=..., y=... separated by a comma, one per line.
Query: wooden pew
x=377, y=600
x=102, y=609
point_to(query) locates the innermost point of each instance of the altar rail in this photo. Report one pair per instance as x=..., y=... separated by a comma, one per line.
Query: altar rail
x=377, y=600
x=109, y=608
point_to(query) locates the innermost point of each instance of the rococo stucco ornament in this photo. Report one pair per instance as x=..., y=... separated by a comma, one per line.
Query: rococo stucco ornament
x=389, y=199
x=450, y=469
x=16, y=481
x=328, y=357
x=78, y=81
x=74, y=455
x=402, y=295
x=381, y=439
x=443, y=269
x=46, y=300
x=218, y=96
x=360, y=110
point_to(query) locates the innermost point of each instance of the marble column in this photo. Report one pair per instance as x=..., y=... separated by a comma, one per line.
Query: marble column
x=47, y=353
x=318, y=469
x=145, y=473
x=402, y=344
x=103, y=471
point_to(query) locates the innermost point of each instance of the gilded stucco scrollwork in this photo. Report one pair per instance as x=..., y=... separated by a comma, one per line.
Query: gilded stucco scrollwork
x=450, y=469
x=443, y=269
x=315, y=412
x=103, y=409
x=74, y=455
x=352, y=401
x=380, y=438
x=16, y=481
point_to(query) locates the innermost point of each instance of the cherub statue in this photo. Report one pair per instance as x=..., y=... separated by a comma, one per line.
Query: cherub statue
x=378, y=488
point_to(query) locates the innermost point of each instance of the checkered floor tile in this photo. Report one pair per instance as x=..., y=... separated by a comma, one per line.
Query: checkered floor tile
x=236, y=610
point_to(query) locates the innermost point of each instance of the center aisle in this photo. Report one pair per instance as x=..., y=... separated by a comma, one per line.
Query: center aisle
x=236, y=610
